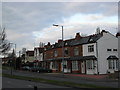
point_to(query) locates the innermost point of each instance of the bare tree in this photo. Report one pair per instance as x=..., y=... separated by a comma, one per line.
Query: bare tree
x=4, y=44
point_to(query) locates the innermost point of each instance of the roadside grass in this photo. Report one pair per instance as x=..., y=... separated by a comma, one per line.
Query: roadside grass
x=6, y=67
x=55, y=82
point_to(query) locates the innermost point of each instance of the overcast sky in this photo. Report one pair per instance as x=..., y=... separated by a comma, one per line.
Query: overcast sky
x=28, y=23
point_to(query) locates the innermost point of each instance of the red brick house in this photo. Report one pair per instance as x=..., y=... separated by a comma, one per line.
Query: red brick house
x=83, y=55
x=53, y=56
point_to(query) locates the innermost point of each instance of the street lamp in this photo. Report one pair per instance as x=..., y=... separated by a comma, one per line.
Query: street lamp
x=62, y=45
x=14, y=52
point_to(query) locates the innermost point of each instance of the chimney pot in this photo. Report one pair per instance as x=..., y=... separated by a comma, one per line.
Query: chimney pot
x=48, y=44
x=118, y=34
x=77, y=36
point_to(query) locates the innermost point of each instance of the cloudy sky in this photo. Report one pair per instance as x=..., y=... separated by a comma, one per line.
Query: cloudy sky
x=28, y=23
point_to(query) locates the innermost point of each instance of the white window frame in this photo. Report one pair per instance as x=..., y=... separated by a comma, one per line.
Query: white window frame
x=90, y=48
x=90, y=64
x=74, y=65
x=113, y=64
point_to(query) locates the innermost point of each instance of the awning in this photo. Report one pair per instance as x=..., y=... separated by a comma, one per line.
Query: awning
x=58, y=59
x=92, y=57
x=83, y=58
x=111, y=57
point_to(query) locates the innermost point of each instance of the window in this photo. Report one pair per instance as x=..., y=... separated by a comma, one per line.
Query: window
x=114, y=49
x=45, y=49
x=66, y=43
x=66, y=51
x=54, y=65
x=53, y=46
x=65, y=64
x=91, y=40
x=55, y=53
x=110, y=64
x=90, y=64
x=117, y=64
x=74, y=65
x=91, y=48
x=76, y=51
x=113, y=64
x=109, y=50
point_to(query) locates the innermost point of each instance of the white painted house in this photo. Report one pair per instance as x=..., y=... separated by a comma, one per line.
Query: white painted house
x=38, y=53
x=104, y=46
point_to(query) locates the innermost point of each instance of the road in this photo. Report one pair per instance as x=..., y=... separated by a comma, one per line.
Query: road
x=15, y=83
x=59, y=77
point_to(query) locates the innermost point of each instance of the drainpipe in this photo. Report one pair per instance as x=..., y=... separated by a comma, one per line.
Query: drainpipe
x=97, y=57
x=119, y=59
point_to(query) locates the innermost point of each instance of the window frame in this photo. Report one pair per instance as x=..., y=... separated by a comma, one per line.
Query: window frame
x=115, y=50
x=113, y=64
x=55, y=53
x=66, y=52
x=90, y=48
x=90, y=64
x=76, y=51
x=75, y=65
x=109, y=50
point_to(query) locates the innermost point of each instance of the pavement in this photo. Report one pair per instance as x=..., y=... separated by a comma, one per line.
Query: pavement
x=99, y=80
x=89, y=76
x=85, y=77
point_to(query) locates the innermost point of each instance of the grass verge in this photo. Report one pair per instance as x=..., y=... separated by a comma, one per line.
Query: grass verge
x=62, y=83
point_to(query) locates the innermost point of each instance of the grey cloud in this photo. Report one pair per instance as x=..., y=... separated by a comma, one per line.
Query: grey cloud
x=25, y=18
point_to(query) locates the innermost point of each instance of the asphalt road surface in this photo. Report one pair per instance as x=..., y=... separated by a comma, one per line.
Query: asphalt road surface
x=58, y=77
x=15, y=83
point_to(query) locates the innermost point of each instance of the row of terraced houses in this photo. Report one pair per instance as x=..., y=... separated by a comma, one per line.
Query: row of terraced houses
x=93, y=54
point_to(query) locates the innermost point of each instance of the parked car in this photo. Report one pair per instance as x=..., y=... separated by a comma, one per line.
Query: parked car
x=27, y=68
x=47, y=70
x=35, y=69
x=40, y=69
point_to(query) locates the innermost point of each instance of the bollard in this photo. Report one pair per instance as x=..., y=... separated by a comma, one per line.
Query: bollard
x=35, y=87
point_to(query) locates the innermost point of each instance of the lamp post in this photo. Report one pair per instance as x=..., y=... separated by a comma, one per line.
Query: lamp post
x=11, y=61
x=62, y=45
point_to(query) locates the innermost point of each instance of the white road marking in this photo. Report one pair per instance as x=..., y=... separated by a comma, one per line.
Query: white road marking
x=30, y=85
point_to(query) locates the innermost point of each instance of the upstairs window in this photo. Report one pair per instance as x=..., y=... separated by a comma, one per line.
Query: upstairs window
x=109, y=50
x=115, y=50
x=66, y=51
x=91, y=48
x=52, y=46
x=76, y=51
x=55, y=53
x=66, y=43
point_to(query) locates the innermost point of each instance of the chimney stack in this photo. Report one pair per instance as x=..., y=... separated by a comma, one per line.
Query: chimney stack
x=59, y=41
x=118, y=34
x=48, y=44
x=77, y=37
x=98, y=30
